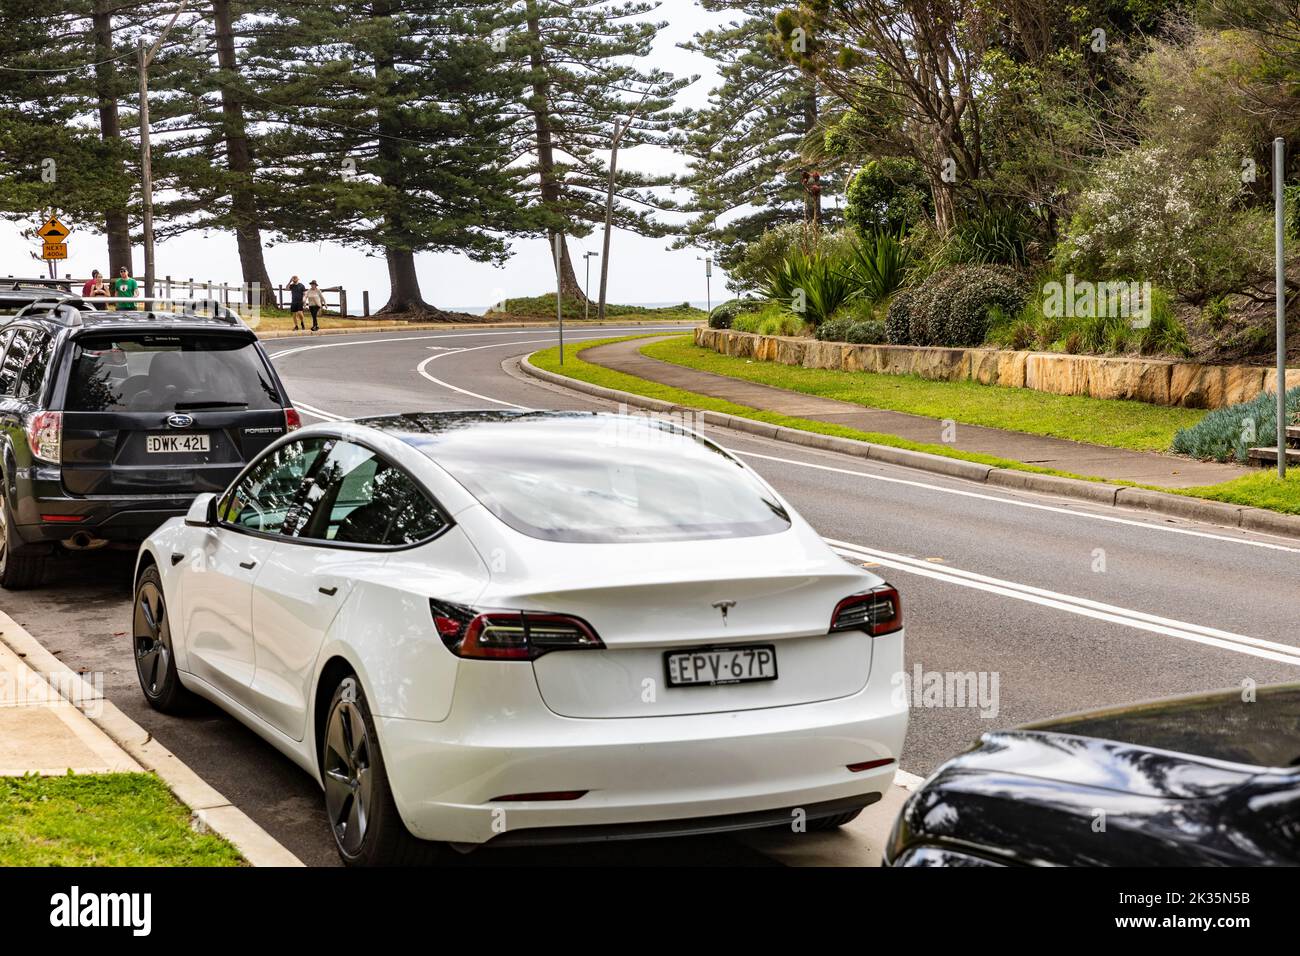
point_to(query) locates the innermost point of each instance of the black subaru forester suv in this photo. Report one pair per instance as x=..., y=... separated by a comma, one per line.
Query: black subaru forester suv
x=111, y=422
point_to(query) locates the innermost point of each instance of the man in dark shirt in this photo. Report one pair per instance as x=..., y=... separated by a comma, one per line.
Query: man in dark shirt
x=296, y=293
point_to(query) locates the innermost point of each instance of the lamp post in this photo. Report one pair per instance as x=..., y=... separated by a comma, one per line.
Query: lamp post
x=708, y=281
x=586, y=289
x=1279, y=210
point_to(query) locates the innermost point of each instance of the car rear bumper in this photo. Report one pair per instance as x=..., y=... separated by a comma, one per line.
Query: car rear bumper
x=707, y=772
x=51, y=520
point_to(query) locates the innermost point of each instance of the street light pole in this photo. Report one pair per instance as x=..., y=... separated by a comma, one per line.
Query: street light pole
x=146, y=54
x=708, y=281
x=586, y=291
x=559, y=286
x=1279, y=235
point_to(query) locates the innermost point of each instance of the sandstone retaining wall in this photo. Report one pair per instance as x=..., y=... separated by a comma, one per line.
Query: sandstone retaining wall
x=1158, y=381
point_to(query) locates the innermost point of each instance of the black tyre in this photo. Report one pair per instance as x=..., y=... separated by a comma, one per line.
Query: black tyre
x=17, y=570
x=368, y=831
x=833, y=823
x=151, y=640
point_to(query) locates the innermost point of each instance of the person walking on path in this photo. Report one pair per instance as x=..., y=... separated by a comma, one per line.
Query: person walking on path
x=315, y=300
x=296, y=293
x=124, y=287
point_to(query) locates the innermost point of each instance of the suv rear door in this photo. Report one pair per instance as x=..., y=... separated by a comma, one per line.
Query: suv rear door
x=171, y=412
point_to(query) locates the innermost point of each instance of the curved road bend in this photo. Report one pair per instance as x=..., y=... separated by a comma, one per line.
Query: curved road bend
x=1067, y=605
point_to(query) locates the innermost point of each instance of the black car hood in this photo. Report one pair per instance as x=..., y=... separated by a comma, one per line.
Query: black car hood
x=1189, y=781
x=1259, y=728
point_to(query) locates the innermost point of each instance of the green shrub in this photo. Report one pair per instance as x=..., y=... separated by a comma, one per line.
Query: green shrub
x=1166, y=335
x=852, y=331
x=899, y=318
x=749, y=270
x=955, y=306
x=887, y=195
x=1216, y=311
x=962, y=306
x=879, y=265
x=866, y=332
x=994, y=237
x=813, y=285
x=725, y=314
x=1231, y=432
x=834, y=330
x=1185, y=224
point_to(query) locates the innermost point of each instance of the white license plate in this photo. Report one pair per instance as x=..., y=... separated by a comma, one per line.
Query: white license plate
x=176, y=444
x=709, y=666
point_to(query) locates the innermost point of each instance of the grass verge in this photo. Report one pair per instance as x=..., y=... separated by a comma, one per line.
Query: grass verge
x=575, y=367
x=1096, y=421
x=1261, y=490
x=116, y=819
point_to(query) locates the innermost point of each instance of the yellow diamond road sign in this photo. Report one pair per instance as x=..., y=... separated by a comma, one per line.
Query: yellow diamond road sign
x=53, y=231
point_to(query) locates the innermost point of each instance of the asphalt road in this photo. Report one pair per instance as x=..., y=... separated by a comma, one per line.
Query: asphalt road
x=1067, y=605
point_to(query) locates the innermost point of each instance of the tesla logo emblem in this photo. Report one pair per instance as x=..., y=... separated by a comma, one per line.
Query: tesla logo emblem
x=180, y=421
x=724, y=607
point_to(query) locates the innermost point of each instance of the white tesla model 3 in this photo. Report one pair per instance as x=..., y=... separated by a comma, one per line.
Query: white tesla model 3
x=538, y=627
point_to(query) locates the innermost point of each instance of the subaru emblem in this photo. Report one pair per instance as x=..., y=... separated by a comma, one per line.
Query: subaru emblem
x=180, y=421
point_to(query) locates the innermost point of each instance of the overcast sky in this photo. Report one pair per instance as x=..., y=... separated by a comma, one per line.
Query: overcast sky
x=641, y=270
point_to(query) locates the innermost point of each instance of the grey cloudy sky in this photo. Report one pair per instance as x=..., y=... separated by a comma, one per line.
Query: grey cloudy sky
x=641, y=270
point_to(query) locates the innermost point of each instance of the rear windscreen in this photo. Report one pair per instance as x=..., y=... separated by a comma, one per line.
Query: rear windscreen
x=605, y=480
x=166, y=373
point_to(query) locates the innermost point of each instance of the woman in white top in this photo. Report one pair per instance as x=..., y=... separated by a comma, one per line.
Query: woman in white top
x=315, y=300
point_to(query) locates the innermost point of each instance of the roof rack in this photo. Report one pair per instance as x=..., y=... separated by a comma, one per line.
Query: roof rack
x=45, y=283
x=68, y=310
x=207, y=308
x=64, y=311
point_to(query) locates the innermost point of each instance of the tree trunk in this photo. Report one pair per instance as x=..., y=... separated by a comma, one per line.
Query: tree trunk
x=552, y=197
x=404, y=283
x=239, y=158
x=812, y=203
x=117, y=226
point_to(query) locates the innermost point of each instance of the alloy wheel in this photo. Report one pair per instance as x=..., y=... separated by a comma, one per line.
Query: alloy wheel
x=153, y=645
x=347, y=774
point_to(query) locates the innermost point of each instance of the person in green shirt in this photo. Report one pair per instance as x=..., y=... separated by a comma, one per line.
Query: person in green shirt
x=124, y=287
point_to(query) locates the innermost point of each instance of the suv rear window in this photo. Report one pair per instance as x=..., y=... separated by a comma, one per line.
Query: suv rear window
x=168, y=372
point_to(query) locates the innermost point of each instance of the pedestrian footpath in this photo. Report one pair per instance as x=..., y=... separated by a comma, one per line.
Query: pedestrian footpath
x=1059, y=454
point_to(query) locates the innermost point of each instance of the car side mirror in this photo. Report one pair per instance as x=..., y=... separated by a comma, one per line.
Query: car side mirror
x=203, y=511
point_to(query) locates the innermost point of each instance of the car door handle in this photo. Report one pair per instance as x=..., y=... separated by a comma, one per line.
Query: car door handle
x=248, y=565
x=328, y=592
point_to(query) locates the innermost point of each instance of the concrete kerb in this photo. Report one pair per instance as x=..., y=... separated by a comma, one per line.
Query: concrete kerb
x=1158, y=502
x=210, y=808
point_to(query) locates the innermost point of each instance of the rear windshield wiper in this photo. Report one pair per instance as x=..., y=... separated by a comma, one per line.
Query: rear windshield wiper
x=193, y=406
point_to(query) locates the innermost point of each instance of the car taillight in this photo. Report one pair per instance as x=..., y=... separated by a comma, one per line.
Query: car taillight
x=509, y=635
x=292, y=420
x=45, y=436
x=877, y=612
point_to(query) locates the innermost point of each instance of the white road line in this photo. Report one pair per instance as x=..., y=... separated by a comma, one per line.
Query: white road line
x=1021, y=503
x=318, y=413
x=461, y=335
x=1198, y=634
x=423, y=370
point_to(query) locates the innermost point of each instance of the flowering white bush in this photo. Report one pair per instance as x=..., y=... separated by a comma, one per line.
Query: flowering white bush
x=1149, y=214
